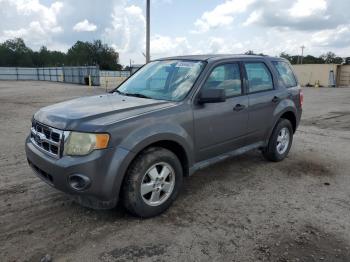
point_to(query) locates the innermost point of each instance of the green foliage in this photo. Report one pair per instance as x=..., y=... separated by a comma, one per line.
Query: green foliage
x=331, y=58
x=15, y=53
x=251, y=52
x=46, y=57
x=95, y=53
x=309, y=59
x=328, y=58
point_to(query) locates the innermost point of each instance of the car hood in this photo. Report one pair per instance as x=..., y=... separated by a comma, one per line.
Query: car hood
x=91, y=112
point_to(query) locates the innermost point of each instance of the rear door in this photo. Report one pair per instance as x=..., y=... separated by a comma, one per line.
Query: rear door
x=221, y=127
x=288, y=80
x=263, y=99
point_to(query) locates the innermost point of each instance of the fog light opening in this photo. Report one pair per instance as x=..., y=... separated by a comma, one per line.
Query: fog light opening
x=78, y=182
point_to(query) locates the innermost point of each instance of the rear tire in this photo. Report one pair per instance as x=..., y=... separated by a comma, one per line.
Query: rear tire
x=280, y=141
x=152, y=182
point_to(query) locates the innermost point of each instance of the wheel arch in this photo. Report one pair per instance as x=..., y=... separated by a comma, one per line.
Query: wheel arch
x=175, y=148
x=290, y=114
x=172, y=145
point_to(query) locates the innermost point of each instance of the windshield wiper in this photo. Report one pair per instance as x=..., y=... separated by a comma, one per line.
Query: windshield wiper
x=137, y=95
x=120, y=92
x=132, y=94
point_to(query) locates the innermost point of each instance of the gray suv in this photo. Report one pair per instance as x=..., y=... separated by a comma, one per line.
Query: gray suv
x=172, y=117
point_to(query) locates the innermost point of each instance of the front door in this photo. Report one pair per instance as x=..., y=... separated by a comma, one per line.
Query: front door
x=221, y=127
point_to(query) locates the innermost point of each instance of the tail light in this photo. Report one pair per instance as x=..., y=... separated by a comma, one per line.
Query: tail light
x=301, y=97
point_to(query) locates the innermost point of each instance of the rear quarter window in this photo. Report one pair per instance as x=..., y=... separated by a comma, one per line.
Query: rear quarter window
x=285, y=73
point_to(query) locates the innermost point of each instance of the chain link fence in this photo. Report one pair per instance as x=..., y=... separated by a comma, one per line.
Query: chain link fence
x=66, y=74
x=112, y=79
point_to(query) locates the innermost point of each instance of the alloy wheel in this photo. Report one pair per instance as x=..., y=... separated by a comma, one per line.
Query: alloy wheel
x=157, y=184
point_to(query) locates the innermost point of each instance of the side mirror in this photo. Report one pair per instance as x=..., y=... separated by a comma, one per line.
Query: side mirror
x=212, y=96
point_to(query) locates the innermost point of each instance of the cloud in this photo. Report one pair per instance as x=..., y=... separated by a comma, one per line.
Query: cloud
x=253, y=18
x=232, y=26
x=126, y=32
x=115, y=22
x=161, y=1
x=34, y=32
x=221, y=15
x=84, y=26
x=338, y=37
x=304, y=8
x=29, y=19
x=303, y=15
x=165, y=46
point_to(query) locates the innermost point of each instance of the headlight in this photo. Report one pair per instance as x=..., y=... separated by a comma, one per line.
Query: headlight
x=79, y=144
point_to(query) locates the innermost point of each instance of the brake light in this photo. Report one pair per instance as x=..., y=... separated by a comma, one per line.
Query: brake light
x=301, y=97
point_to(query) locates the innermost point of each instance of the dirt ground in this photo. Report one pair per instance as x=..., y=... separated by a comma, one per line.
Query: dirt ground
x=243, y=209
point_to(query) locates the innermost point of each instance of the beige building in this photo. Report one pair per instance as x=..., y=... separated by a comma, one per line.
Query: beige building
x=343, y=75
x=323, y=74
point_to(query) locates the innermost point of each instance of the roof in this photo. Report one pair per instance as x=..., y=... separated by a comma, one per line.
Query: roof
x=212, y=57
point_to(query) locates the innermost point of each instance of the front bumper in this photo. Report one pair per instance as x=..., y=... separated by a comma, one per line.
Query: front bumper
x=104, y=168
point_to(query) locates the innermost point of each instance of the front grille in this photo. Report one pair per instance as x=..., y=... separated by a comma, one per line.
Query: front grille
x=47, y=139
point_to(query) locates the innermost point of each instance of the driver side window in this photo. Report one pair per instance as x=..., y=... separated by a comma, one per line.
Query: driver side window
x=225, y=77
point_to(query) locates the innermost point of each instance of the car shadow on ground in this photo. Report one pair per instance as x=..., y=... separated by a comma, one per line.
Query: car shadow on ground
x=237, y=170
x=228, y=176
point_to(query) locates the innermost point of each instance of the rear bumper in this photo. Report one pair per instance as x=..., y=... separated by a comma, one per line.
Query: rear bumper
x=104, y=168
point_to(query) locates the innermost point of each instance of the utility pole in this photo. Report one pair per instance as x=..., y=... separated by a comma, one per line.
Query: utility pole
x=148, y=31
x=302, y=54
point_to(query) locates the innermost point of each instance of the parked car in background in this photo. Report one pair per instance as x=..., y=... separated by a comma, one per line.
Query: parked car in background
x=172, y=117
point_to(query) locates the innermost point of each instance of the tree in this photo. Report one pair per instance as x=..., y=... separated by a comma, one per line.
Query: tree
x=94, y=53
x=328, y=58
x=331, y=58
x=249, y=52
x=286, y=56
x=106, y=57
x=15, y=53
x=80, y=54
x=293, y=59
x=5, y=56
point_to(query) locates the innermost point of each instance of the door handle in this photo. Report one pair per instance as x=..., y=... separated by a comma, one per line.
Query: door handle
x=238, y=107
x=275, y=99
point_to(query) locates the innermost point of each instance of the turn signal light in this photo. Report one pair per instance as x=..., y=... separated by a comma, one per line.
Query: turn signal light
x=301, y=98
x=101, y=141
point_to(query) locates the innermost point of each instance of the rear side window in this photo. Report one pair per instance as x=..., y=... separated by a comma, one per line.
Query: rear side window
x=259, y=77
x=286, y=73
x=227, y=77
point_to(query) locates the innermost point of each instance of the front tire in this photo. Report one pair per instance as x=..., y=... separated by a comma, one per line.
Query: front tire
x=152, y=182
x=280, y=141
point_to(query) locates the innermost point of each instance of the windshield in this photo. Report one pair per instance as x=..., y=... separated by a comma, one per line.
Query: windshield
x=165, y=80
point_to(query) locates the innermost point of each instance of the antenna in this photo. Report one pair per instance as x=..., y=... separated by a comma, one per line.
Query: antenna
x=148, y=31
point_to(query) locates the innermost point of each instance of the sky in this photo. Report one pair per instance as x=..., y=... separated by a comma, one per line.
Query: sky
x=180, y=27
